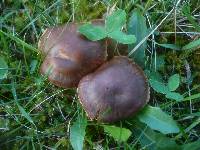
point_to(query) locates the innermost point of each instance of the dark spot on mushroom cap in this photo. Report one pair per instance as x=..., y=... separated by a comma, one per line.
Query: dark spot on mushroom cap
x=70, y=55
x=116, y=90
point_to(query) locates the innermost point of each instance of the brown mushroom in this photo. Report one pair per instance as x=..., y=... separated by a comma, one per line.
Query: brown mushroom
x=116, y=90
x=69, y=55
x=52, y=35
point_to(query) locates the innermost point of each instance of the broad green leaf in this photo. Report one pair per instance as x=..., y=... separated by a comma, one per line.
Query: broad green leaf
x=151, y=140
x=152, y=75
x=158, y=120
x=137, y=26
x=115, y=21
x=77, y=133
x=121, y=37
x=192, y=45
x=119, y=134
x=173, y=82
x=3, y=68
x=175, y=96
x=170, y=46
x=159, y=86
x=92, y=32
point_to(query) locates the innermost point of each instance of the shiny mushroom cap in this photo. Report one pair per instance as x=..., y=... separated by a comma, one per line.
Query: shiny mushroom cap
x=68, y=55
x=52, y=35
x=116, y=90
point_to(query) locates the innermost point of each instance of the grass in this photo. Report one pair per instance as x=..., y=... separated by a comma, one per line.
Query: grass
x=34, y=114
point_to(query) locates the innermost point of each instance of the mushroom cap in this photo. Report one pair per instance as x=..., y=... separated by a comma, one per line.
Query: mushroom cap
x=69, y=55
x=52, y=35
x=116, y=90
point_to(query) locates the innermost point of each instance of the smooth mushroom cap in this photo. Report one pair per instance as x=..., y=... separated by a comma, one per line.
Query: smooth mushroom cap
x=52, y=35
x=53, y=67
x=70, y=55
x=116, y=90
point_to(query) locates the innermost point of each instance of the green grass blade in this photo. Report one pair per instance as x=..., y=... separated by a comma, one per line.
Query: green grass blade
x=21, y=42
x=21, y=109
x=192, y=45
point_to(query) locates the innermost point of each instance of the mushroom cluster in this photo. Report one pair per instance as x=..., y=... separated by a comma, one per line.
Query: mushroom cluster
x=109, y=90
